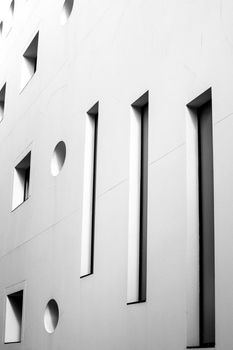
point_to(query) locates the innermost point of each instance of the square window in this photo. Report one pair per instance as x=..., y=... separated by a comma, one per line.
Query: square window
x=14, y=312
x=29, y=62
x=21, y=181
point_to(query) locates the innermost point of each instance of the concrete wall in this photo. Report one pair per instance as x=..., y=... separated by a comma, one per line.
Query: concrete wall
x=112, y=52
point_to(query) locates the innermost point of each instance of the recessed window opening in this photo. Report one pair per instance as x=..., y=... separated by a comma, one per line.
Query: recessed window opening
x=66, y=11
x=137, y=239
x=8, y=22
x=1, y=28
x=21, y=181
x=51, y=316
x=58, y=158
x=13, y=321
x=29, y=62
x=89, y=192
x=201, y=267
x=2, y=101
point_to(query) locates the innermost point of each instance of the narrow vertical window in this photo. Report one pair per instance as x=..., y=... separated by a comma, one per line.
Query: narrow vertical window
x=201, y=290
x=89, y=192
x=21, y=181
x=1, y=28
x=13, y=321
x=137, y=240
x=29, y=62
x=2, y=101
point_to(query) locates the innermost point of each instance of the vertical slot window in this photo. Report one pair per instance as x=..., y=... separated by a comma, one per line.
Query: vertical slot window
x=2, y=101
x=29, y=62
x=137, y=239
x=21, y=181
x=1, y=28
x=89, y=192
x=201, y=268
x=13, y=321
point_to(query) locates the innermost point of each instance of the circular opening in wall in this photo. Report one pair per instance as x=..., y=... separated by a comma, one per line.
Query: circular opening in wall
x=66, y=11
x=58, y=158
x=51, y=316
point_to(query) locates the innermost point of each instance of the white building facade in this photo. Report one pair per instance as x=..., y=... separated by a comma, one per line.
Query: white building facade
x=116, y=174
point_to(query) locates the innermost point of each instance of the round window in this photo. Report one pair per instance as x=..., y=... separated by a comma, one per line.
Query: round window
x=58, y=158
x=51, y=316
x=66, y=11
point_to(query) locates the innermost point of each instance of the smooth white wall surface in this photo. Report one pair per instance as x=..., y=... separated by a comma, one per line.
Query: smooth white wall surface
x=112, y=52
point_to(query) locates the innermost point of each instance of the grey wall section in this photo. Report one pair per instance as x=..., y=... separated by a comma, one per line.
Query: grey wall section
x=112, y=52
